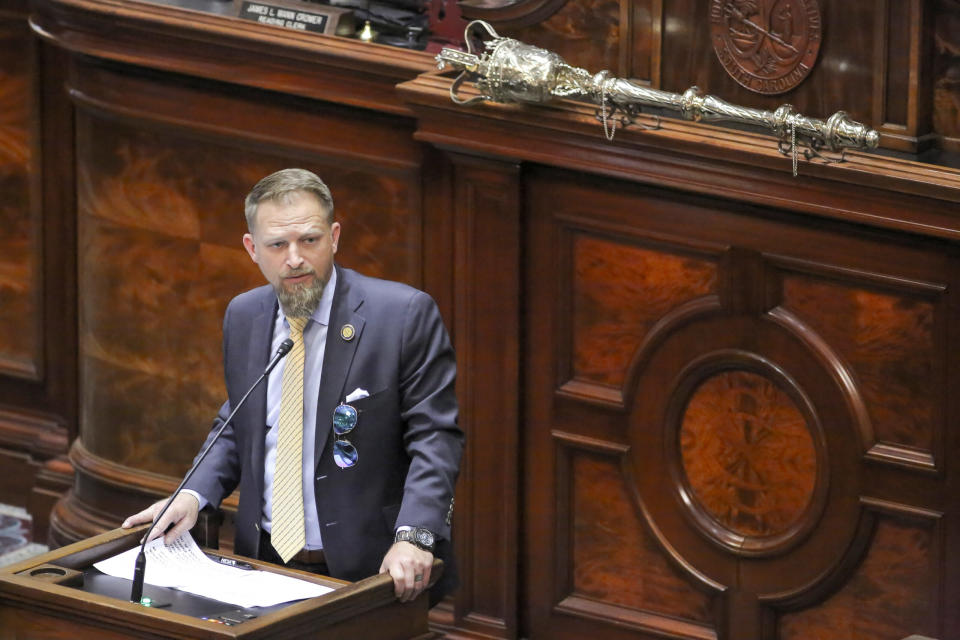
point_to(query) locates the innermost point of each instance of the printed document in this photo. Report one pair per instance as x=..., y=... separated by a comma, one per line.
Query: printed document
x=183, y=566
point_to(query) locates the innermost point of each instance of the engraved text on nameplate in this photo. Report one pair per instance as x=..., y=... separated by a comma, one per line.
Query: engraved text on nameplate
x=283, y=16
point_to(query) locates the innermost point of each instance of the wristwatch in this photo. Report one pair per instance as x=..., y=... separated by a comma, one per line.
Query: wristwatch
x=418, y=536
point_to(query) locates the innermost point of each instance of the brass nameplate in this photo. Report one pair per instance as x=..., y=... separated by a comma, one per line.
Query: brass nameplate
x=299, y=16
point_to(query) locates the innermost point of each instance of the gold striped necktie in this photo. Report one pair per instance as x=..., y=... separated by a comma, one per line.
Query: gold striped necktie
x=287, y=534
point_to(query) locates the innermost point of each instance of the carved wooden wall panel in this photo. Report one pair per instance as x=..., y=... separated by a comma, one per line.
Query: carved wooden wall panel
x=34, y=365
x=20, y=319
x=485, y=218
x=889, y=339
x=688, y=416
x=615, y=560
x=154, y=289
x=744, y=458
x=619, y=293
x=891, y=595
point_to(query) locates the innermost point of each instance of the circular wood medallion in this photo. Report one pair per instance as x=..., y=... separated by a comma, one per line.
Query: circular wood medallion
x=748, y=455
x=768, y=46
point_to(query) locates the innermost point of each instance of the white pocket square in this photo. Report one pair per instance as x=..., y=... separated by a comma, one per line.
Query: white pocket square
x=357, y=394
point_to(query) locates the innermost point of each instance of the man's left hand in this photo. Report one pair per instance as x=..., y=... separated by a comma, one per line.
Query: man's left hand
x=409, y=566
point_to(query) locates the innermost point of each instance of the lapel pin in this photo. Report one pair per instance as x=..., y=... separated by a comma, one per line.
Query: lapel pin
x=347, y=332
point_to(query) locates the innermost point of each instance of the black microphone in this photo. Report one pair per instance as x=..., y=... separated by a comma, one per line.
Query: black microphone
x=140, y=567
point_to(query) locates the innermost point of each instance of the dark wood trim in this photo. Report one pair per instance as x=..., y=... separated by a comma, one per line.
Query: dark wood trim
x=881, y=29
x=951, y=487
x=131, y=97
x=52, y=481
x=636, y=621
x=916, y=133
x=208, y=46
x=868, y=189
x=656, y=44
x=103, y=491
x=40, y=436
x=486, y=269
x=57, y=201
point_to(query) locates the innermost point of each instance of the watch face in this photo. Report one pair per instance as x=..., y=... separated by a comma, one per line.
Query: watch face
x=424, y=537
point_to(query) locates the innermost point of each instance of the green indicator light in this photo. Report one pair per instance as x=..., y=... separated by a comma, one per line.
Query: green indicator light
x=146, y=601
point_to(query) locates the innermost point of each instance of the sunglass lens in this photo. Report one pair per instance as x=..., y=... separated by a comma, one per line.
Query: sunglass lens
x=344, y=454
x=344, y=419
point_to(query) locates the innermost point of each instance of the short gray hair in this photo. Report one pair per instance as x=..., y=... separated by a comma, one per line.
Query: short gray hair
x=280, y=185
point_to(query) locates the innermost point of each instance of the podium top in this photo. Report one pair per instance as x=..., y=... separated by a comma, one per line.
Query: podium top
x=59, y=592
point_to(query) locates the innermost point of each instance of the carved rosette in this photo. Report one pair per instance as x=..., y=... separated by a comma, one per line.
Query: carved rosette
x=767, y=46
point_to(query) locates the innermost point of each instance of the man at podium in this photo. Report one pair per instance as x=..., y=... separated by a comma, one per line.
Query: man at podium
x=346, y=458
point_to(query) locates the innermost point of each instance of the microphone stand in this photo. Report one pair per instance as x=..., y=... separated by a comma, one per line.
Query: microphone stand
x=140, y=567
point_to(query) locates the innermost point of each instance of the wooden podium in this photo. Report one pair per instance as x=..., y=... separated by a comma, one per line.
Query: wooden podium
x=59, y=596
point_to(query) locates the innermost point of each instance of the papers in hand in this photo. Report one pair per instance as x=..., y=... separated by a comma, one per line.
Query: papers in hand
x=183, y=566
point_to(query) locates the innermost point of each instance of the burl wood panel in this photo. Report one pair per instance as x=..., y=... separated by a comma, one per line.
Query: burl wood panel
x=891, y=595
x=946, y=89
x=745, y=418
x=889, y=342
x=614, y=559
x=160, y=257
x=18, y=274
x=619, y=292
x=748, y=454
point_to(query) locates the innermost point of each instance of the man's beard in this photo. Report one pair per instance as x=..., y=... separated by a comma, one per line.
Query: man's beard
x=300, y=300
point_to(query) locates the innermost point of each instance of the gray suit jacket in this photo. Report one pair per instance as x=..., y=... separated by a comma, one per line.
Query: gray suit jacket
x=407, y=438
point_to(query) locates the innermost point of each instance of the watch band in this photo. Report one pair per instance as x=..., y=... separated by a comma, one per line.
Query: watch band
x=417, y=536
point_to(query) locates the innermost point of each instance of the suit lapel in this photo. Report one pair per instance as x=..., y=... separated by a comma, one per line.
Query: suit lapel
x=261, y=334
x=338, y=354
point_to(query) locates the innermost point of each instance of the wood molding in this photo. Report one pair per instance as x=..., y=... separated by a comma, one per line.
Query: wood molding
x=931, y=292
x=104, y=493
x=30, y=371
x=867, y=189
x=725, y=361
x=42, y=437
x=32, y=450
x=52, y=482
x=637, y=621
x=580, y=225
x=23, y=332
x=209, y=46
x=486, y=215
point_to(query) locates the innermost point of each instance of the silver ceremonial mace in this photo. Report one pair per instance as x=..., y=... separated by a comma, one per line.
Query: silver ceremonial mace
x=512, y=71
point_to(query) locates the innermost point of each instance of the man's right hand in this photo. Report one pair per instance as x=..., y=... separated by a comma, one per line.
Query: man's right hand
x=183, y=512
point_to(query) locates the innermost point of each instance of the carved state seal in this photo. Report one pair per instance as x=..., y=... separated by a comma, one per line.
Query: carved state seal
x=768, y=46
